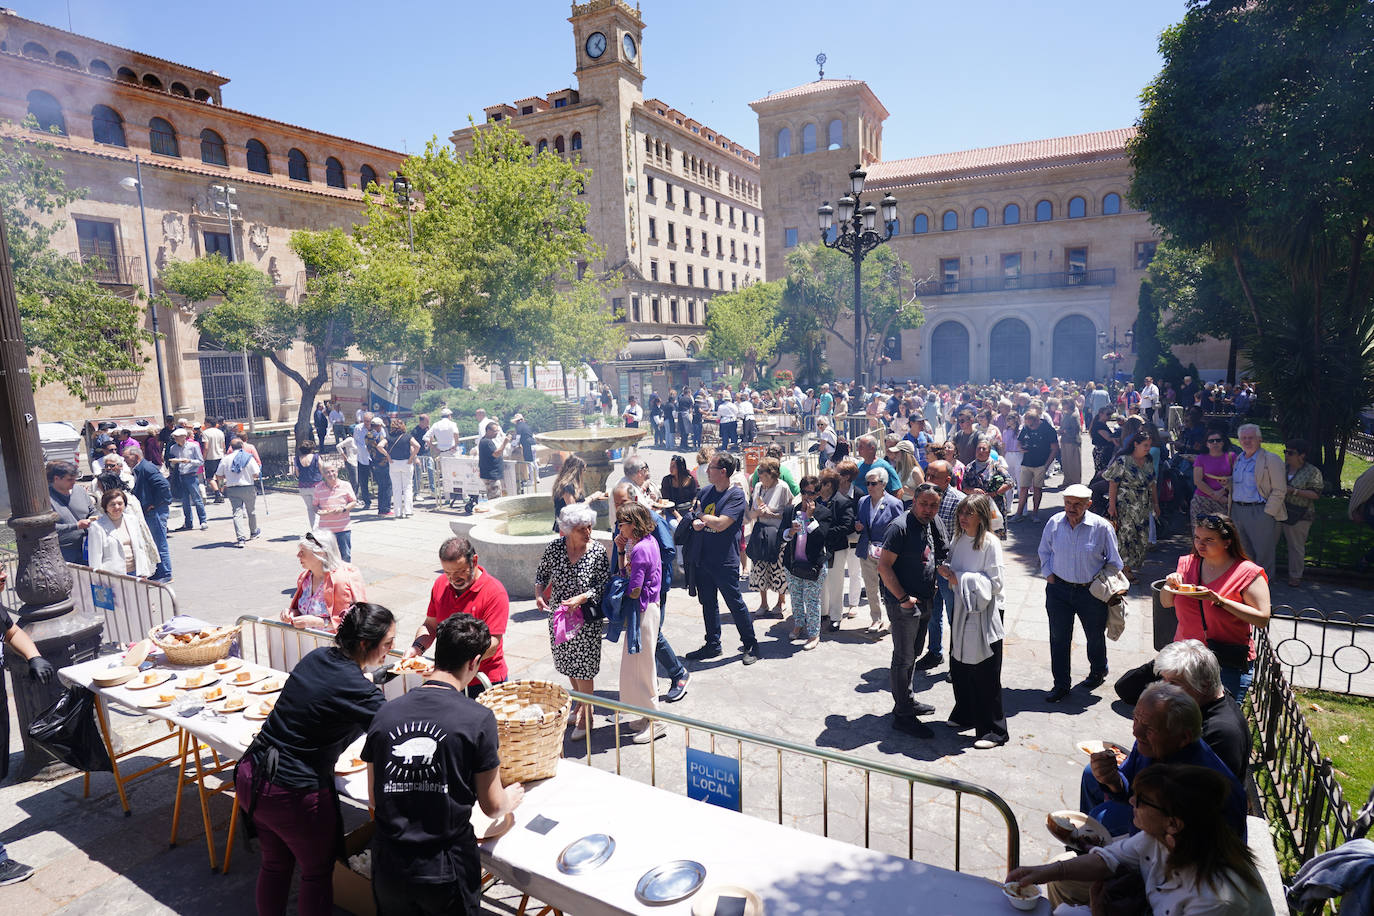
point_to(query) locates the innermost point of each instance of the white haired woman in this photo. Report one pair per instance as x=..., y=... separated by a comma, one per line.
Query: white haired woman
x=327, y=586
x=568, y=584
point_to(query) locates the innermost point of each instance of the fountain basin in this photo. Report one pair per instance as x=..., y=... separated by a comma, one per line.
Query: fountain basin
x=514, y=558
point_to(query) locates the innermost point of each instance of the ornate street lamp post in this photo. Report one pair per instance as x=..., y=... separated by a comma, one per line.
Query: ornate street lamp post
x=42, y=580
x=1113, y=355
x=856, y=237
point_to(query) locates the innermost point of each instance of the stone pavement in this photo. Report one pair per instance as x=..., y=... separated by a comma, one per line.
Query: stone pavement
x=91, y=859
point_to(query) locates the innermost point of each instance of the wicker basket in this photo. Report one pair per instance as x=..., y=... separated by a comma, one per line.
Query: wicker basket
x=530, y=748
x=202, y=653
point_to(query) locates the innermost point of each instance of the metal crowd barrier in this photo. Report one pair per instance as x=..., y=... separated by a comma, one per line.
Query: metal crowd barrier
x=774, y=750
x=129, y=605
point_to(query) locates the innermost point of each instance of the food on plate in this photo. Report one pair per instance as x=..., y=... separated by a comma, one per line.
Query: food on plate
x=214, y=693
x=268, y=686
x=243, y=677
x=265, y=707
x=1097, y=747
x=414, y=665
x=1024, y=891
x=166, y=697
x=151, y=679
x=1187, y=588
x=195, y=680
x=234, y=703
x=226, y=664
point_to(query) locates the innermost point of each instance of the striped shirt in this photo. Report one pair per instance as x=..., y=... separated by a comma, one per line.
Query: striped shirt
x=1077, y=554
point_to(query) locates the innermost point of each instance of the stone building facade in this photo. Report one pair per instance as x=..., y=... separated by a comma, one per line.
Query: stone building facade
x=109, y=105
x=1028, y=258
x=676, y=205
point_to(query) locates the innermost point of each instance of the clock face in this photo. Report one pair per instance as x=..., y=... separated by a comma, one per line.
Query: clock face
x=630, y=49
x=596, y=45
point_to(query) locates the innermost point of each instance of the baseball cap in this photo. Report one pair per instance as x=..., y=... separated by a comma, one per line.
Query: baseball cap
x=1078, y=491
x=445, y=412
x=179, y=433
x=377, y=421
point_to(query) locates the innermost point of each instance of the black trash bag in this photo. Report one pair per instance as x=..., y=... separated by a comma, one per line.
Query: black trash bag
x=68, y=730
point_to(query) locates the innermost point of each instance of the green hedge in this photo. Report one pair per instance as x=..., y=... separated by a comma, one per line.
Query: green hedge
x=499, y=403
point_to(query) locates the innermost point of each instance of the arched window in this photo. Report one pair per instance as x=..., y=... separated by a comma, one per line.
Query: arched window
x=204, y=96
x=836, y=134
x=100, y=68
x=543, y=146
x=784, y=142
x=35, y=50
x=333, y=173
x=162, y=139
x=576, y=142
x=107, y=126
x=1044, y=211
x=152, y=82
x=920, y=223
x=258, y=160
x=1078, y=208
x=1011, y=214
x=558, y=146
x=297, y=166
x=127, y=75
x=809, y=139
x=367, y=176
x=980, y=217
x=950, y=221
x=212, y=148
x=1111, y=204
x=47, y=112
x=67, y=59
x=181, y=90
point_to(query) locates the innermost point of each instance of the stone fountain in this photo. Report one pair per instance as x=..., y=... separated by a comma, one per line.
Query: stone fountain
x=592, y=446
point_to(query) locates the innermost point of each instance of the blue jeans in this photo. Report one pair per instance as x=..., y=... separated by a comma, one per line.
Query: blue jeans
x=345, y=541
x=364, y=488
x=190, y=496
x=729, y=434
x=725, y=580
x=157, y=526
x=1064, y=602
x=669, y=665
x=1237, y=681
x=382, y=475
x=943, y=606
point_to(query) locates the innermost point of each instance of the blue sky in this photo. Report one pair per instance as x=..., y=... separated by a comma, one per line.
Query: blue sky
x=953, y=75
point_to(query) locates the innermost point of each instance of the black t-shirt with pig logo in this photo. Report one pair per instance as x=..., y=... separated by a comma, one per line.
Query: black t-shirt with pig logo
x=426, y=748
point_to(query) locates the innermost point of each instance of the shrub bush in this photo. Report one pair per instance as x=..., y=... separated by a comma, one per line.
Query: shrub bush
x=499, y=403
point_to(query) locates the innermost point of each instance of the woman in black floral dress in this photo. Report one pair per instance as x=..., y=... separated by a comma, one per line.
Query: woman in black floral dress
x=573, y=572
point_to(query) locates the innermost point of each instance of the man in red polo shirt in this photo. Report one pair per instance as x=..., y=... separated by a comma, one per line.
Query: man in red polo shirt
x=466, y=588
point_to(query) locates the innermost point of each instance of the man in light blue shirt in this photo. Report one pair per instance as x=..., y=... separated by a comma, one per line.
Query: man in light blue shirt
x=1075, y=546
x=364, y=493
x=826, y=402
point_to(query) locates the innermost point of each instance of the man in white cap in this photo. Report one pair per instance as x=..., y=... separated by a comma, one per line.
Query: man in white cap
x=185, y=461
x=1075, y=546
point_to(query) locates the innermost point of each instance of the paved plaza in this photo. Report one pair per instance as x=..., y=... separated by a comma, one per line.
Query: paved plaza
x=89, y=858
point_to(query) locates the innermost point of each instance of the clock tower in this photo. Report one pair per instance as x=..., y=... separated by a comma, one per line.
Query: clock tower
x=609, y=56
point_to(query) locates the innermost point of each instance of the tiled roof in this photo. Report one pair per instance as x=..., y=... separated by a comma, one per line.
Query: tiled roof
x=821, y=85
x=210, y=75
x=994, y=159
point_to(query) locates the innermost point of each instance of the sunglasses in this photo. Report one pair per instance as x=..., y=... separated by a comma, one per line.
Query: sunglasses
x=1146, y=803
x=1210, y=441
x=310, y=536
x=809, y=492
x=1215, y=522
x=875, y=483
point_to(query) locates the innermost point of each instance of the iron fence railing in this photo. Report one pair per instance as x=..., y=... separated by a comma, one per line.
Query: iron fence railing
x=1302, y=800
x=1103, y=276
x=1327, y=650
x=111, y=269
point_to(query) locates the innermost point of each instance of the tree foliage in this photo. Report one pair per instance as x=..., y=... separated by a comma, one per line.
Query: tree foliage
x=501, y=245
x=743, y=328
x=1153, y=358
x=76, y=330
x=1254, y=145
x=500, y=403
x=818, y=301
x=368, y=299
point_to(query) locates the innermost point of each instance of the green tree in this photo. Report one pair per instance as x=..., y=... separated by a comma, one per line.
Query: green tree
x=580, y=331
x=743, y=328
x=370, y=300
x=818, y=301
x=76, y=330
x=1254, y=143
x=501, y=235
x=1153, y=357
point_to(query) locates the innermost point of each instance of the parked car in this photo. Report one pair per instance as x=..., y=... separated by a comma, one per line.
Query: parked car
x=60, y=442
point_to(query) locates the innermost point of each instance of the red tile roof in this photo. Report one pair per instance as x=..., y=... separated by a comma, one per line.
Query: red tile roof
x=994, y=159
x=821, y=85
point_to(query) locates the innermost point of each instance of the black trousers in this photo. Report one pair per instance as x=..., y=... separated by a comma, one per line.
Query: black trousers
x=407, y=898
x=978, y=694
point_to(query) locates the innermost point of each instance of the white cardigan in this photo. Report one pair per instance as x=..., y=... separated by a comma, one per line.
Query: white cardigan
x=106, y=552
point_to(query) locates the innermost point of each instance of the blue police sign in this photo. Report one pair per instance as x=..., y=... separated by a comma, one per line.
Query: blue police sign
x=713, y=779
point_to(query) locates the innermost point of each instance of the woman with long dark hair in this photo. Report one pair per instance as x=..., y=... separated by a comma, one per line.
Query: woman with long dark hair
x=1102, y=439
x=285, y=781
x=679, y=486
x=567, y=486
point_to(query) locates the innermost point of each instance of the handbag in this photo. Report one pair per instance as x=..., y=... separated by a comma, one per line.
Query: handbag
x=1297, y=514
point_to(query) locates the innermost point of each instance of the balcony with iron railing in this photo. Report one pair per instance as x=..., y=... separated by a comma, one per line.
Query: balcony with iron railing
x=1104, y=276
x=111, y=269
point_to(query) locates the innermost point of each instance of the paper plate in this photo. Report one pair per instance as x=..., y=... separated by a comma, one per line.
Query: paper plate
x=226, y=665
x=142, y=683
x=138, y=653
x=1080, y=824
x=419, y=666
x=232, y=678
x=113, y=677
x=1093, y=747
x=152, y=701
x=670, y=882
x=226, y=708
x=486, y=828
x=220, y=697
x=209, y=680
x=268, y=686
x=1175, y=591
x=728, y=899
x=585, y=854
x=349, y=765
x=254, y=711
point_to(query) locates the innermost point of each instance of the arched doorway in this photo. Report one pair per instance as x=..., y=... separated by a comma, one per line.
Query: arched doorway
x=1075, y=349
x=949, y=354
x=1009, y=350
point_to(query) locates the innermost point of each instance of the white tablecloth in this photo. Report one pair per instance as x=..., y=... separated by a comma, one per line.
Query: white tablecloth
x=793, y=872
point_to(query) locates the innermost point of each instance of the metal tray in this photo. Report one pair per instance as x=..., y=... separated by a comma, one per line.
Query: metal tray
x=585, y=854
x=670, y=882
